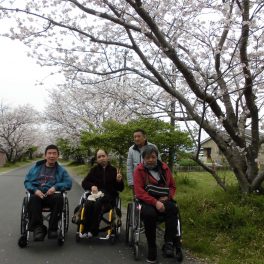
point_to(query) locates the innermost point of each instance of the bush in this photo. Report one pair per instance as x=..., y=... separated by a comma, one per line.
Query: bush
x=186, y=162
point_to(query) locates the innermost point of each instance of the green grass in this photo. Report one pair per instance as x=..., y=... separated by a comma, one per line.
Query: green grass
x=220, y=227
x=80, y=170
x=10, y=166
x=223, y=227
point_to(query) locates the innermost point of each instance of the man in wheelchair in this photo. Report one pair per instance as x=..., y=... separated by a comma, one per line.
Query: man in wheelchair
x=155, y=187
x=104, y=182
x=43, y=181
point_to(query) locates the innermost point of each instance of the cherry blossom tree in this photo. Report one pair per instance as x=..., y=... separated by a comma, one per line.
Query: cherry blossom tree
x=73, y=109
x=207, y=55
x=18, y=131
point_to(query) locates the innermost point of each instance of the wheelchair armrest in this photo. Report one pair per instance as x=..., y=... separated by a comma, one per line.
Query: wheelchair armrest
x=64, y=193
x=84, y=196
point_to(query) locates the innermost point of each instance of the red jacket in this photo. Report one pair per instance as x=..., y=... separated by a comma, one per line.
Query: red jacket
x=140, y=178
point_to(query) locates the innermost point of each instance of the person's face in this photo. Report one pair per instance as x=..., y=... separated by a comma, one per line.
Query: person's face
x=139, y=138
x=101, y=158
x=51, y=156
x=151, y=159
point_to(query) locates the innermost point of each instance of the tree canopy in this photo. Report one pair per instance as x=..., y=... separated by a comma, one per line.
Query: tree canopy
x=118, y=137
x=18, y=131
x=207, y=55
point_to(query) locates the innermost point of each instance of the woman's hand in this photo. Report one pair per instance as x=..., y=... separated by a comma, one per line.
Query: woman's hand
x=160, y=206
x=163, y=198
x=118, y=175
x=94, y=189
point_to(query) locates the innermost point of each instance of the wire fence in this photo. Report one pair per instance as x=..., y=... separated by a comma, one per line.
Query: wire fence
x=199, y=168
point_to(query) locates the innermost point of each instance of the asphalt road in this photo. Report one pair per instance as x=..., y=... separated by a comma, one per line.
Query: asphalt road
x=48, y=252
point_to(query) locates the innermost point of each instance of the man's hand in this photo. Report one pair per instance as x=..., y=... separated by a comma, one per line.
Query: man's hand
x=118, y=176
x=40, y=194
x=160, y=206
x=51, y=191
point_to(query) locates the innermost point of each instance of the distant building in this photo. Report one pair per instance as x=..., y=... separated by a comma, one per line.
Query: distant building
x=211, y=153
x=2, y=158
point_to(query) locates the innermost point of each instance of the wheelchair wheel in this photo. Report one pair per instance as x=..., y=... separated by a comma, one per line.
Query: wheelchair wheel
x=113, y=239
x=129, y=228
x=136, y=251
x=80, y=227
x=66, y=214
x=24, y=217
x=178, y=239
x=119, y=224
x=179, y=255
x=77, y=237
x=61, y=239
x=22, y=242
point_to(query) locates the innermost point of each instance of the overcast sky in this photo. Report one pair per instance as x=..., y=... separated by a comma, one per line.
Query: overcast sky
x=20, y=74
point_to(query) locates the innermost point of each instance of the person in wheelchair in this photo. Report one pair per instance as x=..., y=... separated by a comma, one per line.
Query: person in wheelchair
x=155, y=188
x=42, y=181
x=104, y=182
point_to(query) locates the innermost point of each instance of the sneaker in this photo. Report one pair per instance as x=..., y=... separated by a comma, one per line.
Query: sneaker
x=151, y=261
x=152, y=255
x=52, y=234
x=179, y=254
x=86, y=235
x=168, y=249
x=89, y=235
x=83, y=235
x=39, y=233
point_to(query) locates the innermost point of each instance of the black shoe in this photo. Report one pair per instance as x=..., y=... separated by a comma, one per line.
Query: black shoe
x=179, y=254
x=152, y=255
x=168, y=249
x=39, y=233
x=52, y=234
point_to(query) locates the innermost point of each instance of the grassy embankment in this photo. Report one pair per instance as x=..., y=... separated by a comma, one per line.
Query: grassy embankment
x=221, y=227
x=10, y=166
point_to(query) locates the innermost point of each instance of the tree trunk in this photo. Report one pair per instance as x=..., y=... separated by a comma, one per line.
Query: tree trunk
x=172, y=150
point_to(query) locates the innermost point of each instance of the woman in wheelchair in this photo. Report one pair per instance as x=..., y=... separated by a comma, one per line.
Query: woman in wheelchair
x=155, y=187
x=103, y=182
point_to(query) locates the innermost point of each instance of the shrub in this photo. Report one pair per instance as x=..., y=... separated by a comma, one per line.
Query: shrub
x=187, y=162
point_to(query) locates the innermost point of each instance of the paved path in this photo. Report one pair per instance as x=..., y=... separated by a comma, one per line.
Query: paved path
x=188, y=258
x=47, y=252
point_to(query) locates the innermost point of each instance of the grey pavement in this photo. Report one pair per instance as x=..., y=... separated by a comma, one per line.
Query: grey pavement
x=188, y=258
x=48, y=252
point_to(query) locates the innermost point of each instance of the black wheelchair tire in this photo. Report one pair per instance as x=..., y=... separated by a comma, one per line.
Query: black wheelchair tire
x=66, y=215
x=23, y=222
x=128, y=225
x=22, y=242
x=136, y=251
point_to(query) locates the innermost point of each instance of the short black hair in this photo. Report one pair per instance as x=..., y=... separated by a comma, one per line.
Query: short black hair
x=149, y=149
x=51, y=147
x=95, y=156
x=139, y=130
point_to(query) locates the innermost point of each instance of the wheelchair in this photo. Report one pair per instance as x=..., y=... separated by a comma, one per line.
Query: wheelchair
x=110, y=221
x=135, y=227
x=63, y=223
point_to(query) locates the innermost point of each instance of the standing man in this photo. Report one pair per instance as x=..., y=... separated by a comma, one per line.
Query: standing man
x=134, y=153
x=42, y=181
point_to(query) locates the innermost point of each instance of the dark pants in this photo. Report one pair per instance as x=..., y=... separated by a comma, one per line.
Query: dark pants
x=93, y=212
x=151, y=216
x=35, y=206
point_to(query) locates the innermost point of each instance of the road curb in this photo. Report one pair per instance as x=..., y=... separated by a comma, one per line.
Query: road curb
x=1, y=173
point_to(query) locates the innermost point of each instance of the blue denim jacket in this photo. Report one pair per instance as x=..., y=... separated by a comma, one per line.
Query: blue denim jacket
x=63, y=181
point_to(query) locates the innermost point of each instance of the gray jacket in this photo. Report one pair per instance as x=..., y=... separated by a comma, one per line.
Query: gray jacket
x=134, y=157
